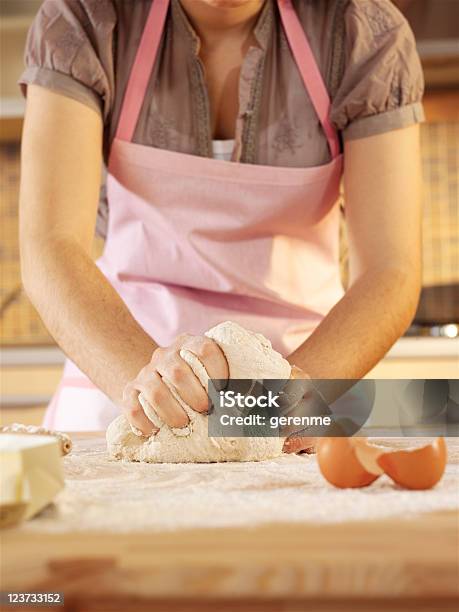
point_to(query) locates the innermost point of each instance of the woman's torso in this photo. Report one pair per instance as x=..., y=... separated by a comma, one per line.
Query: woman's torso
x=276, y=124
x=240, y=270
x=364, y=50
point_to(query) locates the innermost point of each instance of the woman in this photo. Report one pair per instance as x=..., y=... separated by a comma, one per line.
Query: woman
x=226, y=126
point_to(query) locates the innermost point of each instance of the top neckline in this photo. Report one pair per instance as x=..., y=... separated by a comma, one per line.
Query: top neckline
x=147, y=52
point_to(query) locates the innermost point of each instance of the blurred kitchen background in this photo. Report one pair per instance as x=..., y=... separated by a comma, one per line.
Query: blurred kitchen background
x=30, y=361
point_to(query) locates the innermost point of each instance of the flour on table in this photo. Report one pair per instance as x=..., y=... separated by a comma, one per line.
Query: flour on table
x=249, y=355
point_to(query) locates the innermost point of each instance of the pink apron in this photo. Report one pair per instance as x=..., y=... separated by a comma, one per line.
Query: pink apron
x=194, y=241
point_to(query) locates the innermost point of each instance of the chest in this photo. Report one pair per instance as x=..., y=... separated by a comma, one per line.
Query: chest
x=247, y=90
x=222, y=67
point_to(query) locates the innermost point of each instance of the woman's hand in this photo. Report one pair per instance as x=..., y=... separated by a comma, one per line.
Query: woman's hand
x=167, y=364
x=296, y=444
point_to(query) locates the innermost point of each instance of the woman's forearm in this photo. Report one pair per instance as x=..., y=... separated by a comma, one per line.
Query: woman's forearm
x=61, y=163
x=362, y=326
x=383, y=222
x=84, y=314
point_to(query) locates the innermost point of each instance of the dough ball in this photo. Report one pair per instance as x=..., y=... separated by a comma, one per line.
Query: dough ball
x=249, y=355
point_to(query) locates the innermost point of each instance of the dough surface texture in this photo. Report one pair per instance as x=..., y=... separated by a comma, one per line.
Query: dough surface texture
x=249, y=355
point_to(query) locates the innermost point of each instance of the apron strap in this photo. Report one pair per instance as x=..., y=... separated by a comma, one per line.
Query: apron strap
x=141, y=69
x=148, y=49
x=309, y=71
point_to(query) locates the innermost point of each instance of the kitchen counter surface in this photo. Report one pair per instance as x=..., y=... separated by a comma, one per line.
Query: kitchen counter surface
x=422, y=347
x=398, y=562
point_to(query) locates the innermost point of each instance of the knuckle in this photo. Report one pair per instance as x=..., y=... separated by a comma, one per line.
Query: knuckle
x=130, y=394
x=146, y=374
x=157, y=356
x=177, y=373
x=156, y=396
x=207, y=349
x=134, y=410
x=128, y=390
x=182, y=338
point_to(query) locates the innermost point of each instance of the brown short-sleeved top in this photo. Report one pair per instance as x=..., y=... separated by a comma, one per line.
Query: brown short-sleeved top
x=364, y=48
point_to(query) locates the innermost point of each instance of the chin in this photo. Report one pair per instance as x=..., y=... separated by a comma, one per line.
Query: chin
x=226, y=4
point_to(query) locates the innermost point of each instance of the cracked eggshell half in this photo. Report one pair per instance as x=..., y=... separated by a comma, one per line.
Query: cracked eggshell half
x=416, y=468
x=340, y=465
x=355, y=462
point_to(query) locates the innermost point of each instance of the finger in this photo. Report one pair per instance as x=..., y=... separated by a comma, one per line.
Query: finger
x=135, y=414
x=152, y=387
x=178, y=373
x=210, y=355
x=296, y=444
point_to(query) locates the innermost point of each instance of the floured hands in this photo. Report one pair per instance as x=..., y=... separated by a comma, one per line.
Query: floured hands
x=167, y=364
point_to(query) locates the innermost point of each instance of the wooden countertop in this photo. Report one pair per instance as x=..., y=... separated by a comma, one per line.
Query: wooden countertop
x=392, y=564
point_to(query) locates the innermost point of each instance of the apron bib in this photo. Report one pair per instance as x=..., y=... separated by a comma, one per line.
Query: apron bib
x=193, y=241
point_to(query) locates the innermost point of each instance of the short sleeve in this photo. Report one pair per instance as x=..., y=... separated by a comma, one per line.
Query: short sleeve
x=69, y=50
x=382, y=83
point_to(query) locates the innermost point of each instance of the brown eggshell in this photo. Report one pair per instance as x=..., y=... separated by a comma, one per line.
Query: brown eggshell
x=339, y=465
x=367, y=454
x=419, y=468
